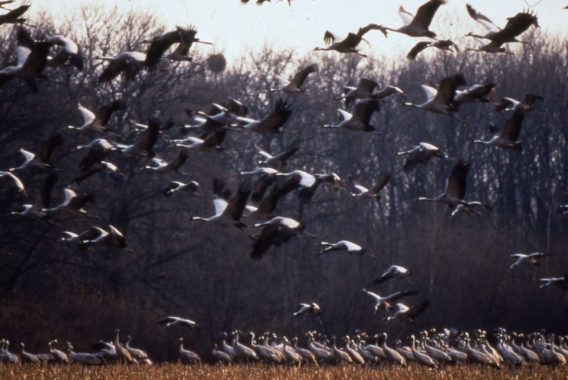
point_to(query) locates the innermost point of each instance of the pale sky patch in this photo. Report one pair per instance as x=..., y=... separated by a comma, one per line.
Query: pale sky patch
x=236, y=28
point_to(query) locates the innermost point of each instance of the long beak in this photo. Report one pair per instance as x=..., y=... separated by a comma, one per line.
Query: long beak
x=204, y=42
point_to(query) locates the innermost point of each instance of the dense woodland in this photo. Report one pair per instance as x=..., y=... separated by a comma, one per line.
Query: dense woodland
x=50, y=288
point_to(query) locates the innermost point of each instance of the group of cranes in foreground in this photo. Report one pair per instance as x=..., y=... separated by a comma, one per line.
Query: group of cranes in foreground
x=431, y=348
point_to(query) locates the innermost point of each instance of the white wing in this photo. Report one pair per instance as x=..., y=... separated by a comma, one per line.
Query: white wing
x=350, y=245
x=220, y=205
x=87, y=114
x=406, y=16
x=362, y=189
x=290, y=223
x=307, y=180
x=429, y=91
x=28, y=157
x=344, y=114
x=428, y=146
x=17, y=181
x=22, y=54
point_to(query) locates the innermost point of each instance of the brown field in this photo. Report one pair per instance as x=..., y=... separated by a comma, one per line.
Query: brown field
x=255, y=372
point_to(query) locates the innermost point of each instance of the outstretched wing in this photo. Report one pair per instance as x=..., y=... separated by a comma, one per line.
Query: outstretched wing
x=413, y=53
x=481, y=18
x=426, y=12
x=300, y=77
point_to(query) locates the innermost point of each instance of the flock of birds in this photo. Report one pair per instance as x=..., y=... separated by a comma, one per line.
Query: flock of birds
x=253, y=203
x=432, y=348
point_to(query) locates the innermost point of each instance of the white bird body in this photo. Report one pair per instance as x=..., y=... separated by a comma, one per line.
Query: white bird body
x=173, y=321
x=347, y=245
x=312, y=308
x=529, y=258
x=280, y=220
x=306, y=179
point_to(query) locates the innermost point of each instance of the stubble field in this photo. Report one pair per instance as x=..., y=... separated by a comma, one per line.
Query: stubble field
x=257, y=372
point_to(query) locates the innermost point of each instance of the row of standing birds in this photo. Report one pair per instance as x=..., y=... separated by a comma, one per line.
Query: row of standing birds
x=432, y=348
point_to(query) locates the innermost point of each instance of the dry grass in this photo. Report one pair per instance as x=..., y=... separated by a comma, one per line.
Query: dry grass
x=257, y=372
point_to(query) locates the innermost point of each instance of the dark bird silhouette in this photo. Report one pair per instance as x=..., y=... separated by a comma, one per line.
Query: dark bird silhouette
x=278, y=160
x=387, y=301
x=227, y=207
x=145, y=143
x=275, y=231
x=360, y=120
x=128, y=62
x=508, y=138
x=169, y=167
x=515, y=26
x=311, y=308
x=373, y=192
x=97, y=121
x=31, y=61
x=294, y=86
x=440, y=100
x=420, y=154
x=483, y=93
x=444, y=45
x=175, y=186
x=418, y=25
x=184, y=37
x=14, y=16
x=215, y=119
x=99, y=149
x=213, y=141
x=46, y=189
x=455, y=191
x=409, y=314
x=96, y=167
x=364, y=89
x=349, y=44
x=69, y=52
x=527, y=104
x=271, y=123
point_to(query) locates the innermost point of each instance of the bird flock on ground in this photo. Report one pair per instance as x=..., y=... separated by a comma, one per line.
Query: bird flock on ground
x=432, y=348
x=251, y=206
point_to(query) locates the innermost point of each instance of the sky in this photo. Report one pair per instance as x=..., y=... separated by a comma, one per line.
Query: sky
x=238, y=29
